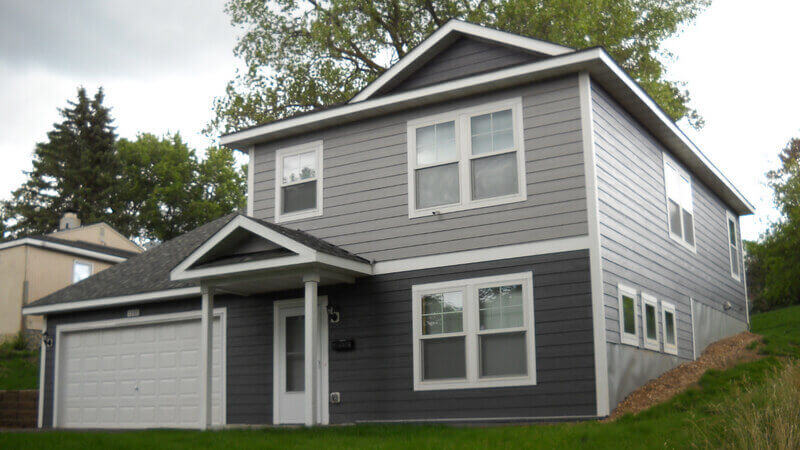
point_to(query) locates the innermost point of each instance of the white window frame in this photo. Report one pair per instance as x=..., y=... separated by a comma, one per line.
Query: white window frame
x=627, y=338
x=463, y=144
x=315, y=146
x=85, y=263
x=739, y=255
x=669, y=347
x=669, y=162
x=471, y=332
x=650, y=344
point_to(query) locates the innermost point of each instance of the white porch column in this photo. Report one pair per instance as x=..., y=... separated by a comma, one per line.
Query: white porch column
x=311, y=281
x=206, y=355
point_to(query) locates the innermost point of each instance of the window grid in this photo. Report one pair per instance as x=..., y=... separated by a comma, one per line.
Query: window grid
x=471, y=163
x=515, y=290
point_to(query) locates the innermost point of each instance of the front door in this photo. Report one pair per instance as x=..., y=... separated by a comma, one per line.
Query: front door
x=289, y=363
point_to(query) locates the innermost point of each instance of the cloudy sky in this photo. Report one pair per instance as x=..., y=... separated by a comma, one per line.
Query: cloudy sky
x=162, y=63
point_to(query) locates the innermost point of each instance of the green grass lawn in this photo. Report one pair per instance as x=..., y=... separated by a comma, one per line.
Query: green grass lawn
x=19, y=368
x=704, y=417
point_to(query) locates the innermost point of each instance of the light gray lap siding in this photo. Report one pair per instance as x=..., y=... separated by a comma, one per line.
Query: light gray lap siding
x=463, y=58
x=365, y=207
x=636, y=247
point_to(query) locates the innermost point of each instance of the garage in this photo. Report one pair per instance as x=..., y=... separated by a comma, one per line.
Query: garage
x=136, y=373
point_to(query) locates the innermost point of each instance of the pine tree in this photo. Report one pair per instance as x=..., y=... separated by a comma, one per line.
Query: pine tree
x=75, y=170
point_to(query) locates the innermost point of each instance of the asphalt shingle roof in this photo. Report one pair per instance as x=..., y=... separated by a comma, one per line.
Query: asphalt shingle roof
x=150, y=271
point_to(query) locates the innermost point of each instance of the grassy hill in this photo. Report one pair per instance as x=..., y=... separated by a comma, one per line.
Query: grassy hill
x=753, y=405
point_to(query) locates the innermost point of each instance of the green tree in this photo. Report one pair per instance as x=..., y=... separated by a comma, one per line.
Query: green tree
x=773, y=264
x=75, y=170
x=167, y=191
x=305, y=54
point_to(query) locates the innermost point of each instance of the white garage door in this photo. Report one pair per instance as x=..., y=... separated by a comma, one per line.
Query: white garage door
x=136, y=376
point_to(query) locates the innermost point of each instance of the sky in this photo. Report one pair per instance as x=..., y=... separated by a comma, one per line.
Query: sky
x=162, y=63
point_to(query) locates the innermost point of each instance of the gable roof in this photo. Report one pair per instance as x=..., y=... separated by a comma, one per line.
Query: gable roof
x=149, y=272
x=79, y=248
x=443, y=38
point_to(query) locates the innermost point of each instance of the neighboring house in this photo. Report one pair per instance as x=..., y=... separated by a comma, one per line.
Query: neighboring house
x=495, y=229
x=36, y=266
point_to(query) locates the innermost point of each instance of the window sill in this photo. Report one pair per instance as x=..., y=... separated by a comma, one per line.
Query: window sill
x=496, y=201
x=671, y=351
x=299, y=215
x=485, y=383
x=629, y=340
x=654, y=346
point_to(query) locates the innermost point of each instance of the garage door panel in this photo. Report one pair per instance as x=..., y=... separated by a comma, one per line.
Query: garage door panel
x=136, y=376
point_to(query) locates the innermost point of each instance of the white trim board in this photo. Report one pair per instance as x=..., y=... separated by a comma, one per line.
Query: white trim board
x=446, y=34
x=42, y=374
x=168, y=294
x=303, y=254
x=251, y=185
x=595, y=256
x=143, y=320
x=596, y=61
x=63, y=248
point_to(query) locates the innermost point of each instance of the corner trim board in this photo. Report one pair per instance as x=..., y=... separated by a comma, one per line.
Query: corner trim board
x=595, y=262
x=42, y=364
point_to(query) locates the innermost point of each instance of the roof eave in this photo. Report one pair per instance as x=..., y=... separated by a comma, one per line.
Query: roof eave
x=595, y=61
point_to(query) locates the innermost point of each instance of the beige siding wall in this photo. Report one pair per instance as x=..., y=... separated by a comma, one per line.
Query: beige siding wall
x=45, y=271
x=12, y=275
x=99, y=233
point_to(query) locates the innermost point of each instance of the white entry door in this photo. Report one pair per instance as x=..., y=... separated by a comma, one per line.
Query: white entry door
x=136, y=374
x=289, y=363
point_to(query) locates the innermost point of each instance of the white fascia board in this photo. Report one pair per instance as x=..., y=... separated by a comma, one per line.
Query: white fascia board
x=182, y=271
x=63, y=248
x=458, y=27
x=168, y=294
x=336, y=116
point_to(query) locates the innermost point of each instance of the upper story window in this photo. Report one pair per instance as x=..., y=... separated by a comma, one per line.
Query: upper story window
x=474, y=333
x=680, y=212
x=466, y=159
x=733, y=245
x=81, y=271
x=298, y=182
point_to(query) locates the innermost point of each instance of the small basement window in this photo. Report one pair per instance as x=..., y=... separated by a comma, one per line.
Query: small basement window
x=670, y=328
x=298, y=182
x=650, y=320
x=474, y=333
x=628, y=319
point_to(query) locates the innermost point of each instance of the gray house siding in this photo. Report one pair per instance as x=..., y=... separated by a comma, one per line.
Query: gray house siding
x=365, y=206
x=635, y=245
x=465, y=57
x=376, y=379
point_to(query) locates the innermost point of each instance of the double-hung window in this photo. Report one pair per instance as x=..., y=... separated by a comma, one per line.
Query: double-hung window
x=474, y=333
x=298, y=182
x=628, y=318
x=733, y=246
x=650, y=321
x=680, y=213
x=670, y=328
x=466, y=159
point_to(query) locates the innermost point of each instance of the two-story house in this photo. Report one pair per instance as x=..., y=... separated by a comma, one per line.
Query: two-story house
x=495, y=229
x=36, y=266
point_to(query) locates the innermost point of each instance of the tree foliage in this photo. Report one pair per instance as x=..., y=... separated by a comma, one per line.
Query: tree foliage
x=305, y=54
x=151, y=188
x=773, y=264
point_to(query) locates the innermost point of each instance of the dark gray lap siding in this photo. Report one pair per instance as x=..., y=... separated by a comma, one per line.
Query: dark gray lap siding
x=375, y=379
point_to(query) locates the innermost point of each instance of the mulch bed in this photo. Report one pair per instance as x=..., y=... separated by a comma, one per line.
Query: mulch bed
x=720, y=355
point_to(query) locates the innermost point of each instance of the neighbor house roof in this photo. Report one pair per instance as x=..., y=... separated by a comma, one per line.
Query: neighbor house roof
x=595, y=61
x=149, y=272
x=79, y=248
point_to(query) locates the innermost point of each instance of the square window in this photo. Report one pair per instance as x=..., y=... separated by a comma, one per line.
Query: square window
x=81, y=271
x=466, y=159
x=489, y=341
